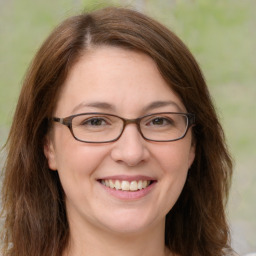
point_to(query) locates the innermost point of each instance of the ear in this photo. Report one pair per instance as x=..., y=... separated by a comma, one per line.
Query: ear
x=192, y=153
x=49, y=153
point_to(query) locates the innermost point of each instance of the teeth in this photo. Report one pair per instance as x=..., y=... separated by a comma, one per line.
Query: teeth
x=133, y=186
x=117, y=185
x=140, y=184
x=144, y=184
x=111, y=184
x=126, y=185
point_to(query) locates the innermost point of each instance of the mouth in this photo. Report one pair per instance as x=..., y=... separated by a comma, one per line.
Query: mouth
x=125, y=185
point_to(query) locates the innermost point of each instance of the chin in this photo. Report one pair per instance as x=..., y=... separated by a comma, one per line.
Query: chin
x=130, y=222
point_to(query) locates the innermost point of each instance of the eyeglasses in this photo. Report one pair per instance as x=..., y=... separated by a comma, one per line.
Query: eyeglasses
x=103, y=128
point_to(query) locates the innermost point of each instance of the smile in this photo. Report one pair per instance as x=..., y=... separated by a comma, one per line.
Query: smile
x=126, y=185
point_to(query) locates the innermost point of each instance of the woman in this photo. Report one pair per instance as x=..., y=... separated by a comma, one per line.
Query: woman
x=115, y=147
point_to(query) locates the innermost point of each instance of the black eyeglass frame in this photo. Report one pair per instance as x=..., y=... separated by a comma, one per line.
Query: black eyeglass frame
x=67, y=121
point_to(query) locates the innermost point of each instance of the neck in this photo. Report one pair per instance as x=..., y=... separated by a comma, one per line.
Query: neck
x=93, y=242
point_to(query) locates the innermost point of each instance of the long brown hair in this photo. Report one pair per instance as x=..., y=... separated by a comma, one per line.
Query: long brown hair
x=32, y=196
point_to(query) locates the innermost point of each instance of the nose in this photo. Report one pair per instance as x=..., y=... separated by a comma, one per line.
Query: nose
x=130, y=148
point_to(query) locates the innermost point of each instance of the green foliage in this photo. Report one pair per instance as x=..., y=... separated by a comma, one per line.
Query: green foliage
x=24, y=26
x=219, y=33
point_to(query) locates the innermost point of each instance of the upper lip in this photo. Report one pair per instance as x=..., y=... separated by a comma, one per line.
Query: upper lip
x=127, y=178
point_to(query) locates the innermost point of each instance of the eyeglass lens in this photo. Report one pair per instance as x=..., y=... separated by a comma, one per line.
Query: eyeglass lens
x=106, y=127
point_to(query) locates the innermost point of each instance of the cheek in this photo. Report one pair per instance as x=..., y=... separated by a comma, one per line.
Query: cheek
x=77, y=162
x=174, y=158
x=79, y=159
x=77, y=169
x=73, y=156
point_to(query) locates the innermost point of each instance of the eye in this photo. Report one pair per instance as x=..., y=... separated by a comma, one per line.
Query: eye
x=159, y=121
x=95, y=121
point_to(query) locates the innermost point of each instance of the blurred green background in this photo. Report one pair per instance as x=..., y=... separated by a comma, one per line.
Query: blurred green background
x=222, y=36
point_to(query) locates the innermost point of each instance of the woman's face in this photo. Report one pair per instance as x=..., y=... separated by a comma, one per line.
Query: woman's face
x=127, y=84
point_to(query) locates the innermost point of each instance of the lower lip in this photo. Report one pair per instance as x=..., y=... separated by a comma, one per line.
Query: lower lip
x=129, y=195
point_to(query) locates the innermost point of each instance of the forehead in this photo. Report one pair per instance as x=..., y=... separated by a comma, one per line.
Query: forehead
x=125, y=79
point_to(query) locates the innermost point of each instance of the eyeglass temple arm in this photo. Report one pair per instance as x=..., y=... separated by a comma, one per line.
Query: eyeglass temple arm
x=59, y=120
x=192, y=119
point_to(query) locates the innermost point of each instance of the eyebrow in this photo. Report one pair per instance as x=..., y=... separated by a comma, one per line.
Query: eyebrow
x=159, y=104
x=110, y=107
x=99, y=105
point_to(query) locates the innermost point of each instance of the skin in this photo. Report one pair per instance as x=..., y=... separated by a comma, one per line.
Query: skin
x=100, y=223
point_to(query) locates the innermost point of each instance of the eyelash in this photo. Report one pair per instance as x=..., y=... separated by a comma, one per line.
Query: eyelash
x=92, y=119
